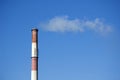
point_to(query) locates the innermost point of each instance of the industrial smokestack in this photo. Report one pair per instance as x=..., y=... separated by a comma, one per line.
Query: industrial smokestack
x=34, y=71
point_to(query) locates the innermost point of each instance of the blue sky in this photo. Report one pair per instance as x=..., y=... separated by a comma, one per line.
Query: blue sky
x=65, y=53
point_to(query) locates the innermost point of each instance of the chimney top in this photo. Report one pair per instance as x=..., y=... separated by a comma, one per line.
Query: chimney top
x=34, y=29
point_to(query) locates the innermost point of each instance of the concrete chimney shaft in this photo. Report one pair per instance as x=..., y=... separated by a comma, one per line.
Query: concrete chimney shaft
x=34, y=71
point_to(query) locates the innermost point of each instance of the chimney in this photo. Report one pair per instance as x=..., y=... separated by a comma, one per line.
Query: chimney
x=34, y=69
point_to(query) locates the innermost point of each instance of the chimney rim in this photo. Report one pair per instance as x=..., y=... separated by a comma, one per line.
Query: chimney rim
x=34, y=29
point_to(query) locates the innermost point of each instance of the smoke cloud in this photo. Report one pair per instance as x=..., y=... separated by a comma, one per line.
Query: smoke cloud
x=64, y=24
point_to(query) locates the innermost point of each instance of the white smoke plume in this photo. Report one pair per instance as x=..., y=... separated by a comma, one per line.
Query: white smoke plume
x=64, y=24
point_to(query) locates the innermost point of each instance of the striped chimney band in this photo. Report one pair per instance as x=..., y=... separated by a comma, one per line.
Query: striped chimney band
x=34, y=71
